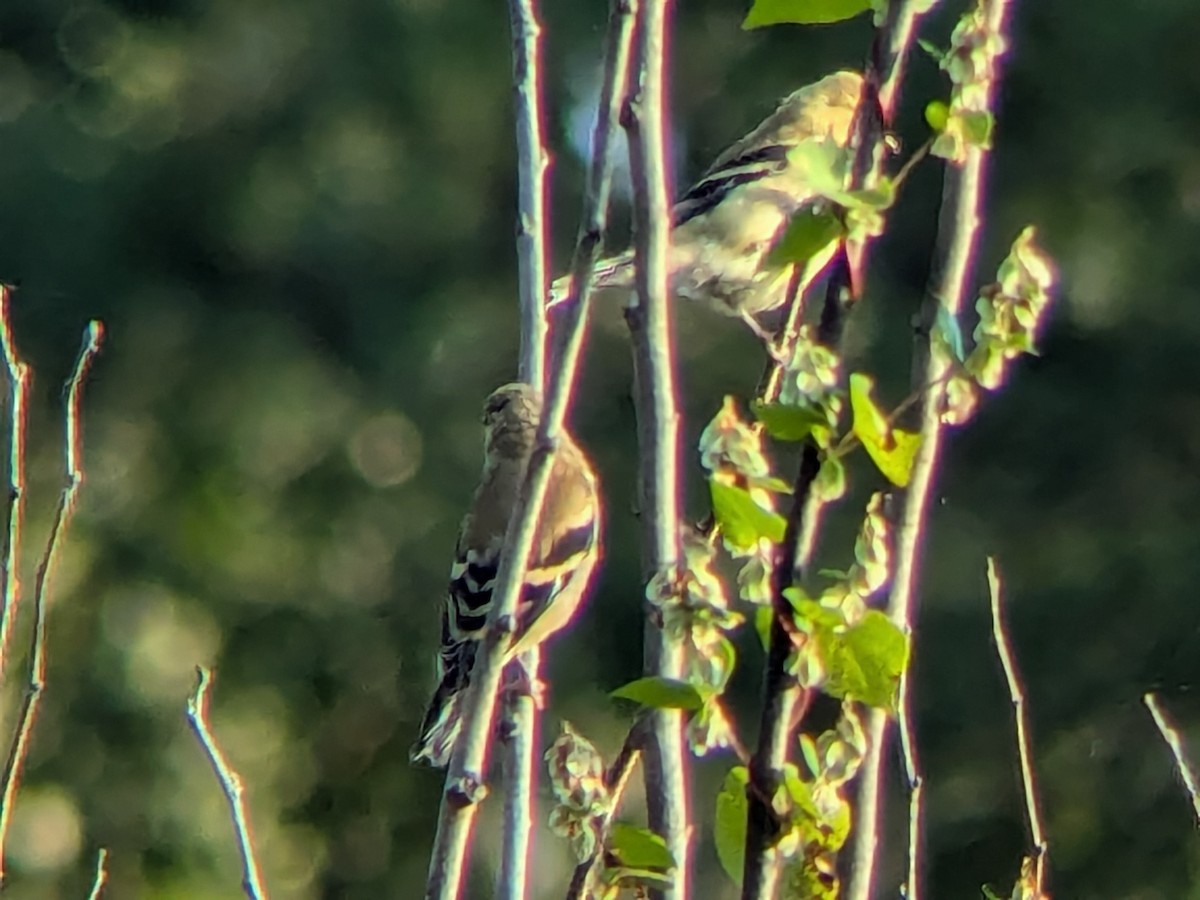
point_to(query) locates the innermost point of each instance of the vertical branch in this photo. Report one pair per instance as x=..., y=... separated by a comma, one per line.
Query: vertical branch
x=644, y=118
x=520, y=712
x=101, y=877
x=19, y=377
x=464, y=781
x=1037, y=832
x=532, y=166
x=958, y=228
x=73, y=452
x=230, y=781
x=1175, y=744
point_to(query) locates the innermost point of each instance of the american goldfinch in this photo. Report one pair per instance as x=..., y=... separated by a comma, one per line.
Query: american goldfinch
x=566, y=549
x=727, y=223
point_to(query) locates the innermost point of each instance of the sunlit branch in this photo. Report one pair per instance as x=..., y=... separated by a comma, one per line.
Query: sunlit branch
x=19, y=377
x=958, y=226
x=73, y=453
x=464, y=781
x=1016, y=693
x=1175, y=743
x=230, y=781
x=656, y=399
x=101, y=877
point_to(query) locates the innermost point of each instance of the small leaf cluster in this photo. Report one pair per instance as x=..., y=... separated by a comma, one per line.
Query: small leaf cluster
x=1010, y=311
x=836, y=213
x=811, y=809
x=967, y=121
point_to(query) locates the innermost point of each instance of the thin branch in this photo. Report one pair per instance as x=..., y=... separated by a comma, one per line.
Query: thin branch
x=1016, y=693
x=101, y=877
x=230, y=781
x=73, y=453
x=520, y=714
x=519, y=738
x=656, y=400
x=583, y=881
x=464, y=782
x=1174, y=741
x=532, y=166
x=19, y=379
x=958, y=226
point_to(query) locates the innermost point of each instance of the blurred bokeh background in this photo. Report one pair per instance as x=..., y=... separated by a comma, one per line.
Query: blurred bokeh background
x=296, y=220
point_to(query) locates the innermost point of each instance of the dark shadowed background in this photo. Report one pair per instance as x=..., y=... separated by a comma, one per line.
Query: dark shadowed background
x=296, y=219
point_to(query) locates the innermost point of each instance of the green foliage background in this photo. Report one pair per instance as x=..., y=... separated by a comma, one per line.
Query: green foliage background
x=295, y=218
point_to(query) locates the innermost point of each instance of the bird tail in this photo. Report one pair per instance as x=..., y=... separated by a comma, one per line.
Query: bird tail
x=614, y=272
x=440, y=727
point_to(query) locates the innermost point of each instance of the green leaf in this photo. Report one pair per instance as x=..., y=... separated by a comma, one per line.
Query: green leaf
x=810, y=231
x=787, y=422
x=891, y=449
x=934, y=51
x=830, y=483
x=639, y=848
x=662, y=693
x=937, y=115
x=977, y=128
x=762, y=625
x=742, y=520
x=865, y=661
x=802, y=12
x=729, y=824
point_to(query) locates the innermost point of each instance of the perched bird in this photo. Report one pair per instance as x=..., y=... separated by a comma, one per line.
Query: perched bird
x=566, y=549
x=727, y=222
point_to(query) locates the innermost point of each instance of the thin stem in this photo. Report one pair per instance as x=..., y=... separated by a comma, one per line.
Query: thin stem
x=519, y=736
x=532, y=166
x=656, y=400
x=1016, y=693
x=464, y=781
x=583, y=881
x=19, y=379
x=230, y=781
x=1171, y=735
x=101, y=877
x=958, y=226
x=520, y=713
x=73, y=453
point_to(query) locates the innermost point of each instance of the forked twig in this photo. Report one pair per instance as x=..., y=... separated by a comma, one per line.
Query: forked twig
x=583, y=881
x=1016, y=693
x=230, y=781
x=1174, y=741
x=73, y=452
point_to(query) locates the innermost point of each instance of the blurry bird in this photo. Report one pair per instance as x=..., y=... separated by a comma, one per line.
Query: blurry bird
x=566, y=549
x=726, y=224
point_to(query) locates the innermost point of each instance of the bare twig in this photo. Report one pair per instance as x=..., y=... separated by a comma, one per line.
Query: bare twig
x=1016, y=693
x=19, y=377
x=583, y=881
x=1174, y=741
x=644, y=118
x=73, y=453
x=230, y=781
x=464, y=781
x=958, y=226
x=101, y=877
x=520, y=712
x=519, y=737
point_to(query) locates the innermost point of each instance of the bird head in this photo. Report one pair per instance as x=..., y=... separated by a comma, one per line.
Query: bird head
x=510, y=420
